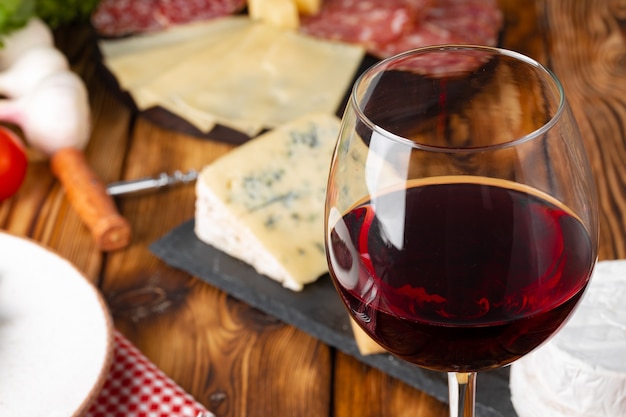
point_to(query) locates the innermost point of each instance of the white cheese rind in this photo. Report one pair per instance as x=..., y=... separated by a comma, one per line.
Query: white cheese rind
x=581, y=372
x=263, y=202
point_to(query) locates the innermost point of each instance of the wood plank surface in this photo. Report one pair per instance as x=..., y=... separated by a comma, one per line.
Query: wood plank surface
x=233, y=358
x=588, y=53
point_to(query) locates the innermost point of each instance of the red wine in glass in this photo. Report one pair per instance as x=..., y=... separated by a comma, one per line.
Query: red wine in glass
x=460, y=273
x=461, y=223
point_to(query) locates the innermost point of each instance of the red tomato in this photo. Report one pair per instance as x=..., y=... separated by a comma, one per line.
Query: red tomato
x=13, y=163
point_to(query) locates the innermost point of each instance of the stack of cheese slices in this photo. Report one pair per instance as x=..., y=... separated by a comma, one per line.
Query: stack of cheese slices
x=234, y=71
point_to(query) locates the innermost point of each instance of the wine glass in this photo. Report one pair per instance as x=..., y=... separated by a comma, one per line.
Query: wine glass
x=461, y=216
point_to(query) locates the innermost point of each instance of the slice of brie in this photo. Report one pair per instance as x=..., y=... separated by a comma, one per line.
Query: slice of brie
x=263, y=202
x=581, y=372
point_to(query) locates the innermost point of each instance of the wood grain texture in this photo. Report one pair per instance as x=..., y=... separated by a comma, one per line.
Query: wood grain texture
x=362, y=391
x=228, y=355
x=524, y=28
x=590, y=37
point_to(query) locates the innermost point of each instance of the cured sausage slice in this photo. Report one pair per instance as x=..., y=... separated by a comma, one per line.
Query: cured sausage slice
x=388, y=27
x=365, y=22
x=474, y=21
x=184, y=11
x=124, y=17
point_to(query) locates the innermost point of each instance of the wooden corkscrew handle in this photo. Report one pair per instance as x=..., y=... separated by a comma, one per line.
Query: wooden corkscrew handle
x=87, y=194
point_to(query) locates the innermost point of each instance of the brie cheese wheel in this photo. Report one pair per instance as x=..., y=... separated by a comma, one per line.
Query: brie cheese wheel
x=581, y=371
x=263, y=202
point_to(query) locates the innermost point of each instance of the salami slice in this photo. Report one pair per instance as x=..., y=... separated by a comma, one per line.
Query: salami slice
x=387, y=28
x=184, y=11
x=365, y=22
x=473, y=21
x=445, y=64
x=125, y=17
x=449, y=21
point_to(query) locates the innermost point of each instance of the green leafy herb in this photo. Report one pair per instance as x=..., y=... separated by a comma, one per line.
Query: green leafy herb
x=60, y=12
x=14, y=14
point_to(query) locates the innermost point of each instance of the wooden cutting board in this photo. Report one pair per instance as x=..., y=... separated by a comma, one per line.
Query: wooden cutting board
x=316, y=310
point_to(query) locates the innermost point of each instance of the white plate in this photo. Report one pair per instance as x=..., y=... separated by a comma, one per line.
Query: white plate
x=55, y=333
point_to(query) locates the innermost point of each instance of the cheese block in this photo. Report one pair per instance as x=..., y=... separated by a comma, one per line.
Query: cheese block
x=309, y=7
x=280, y=13
x=263, y=202
x=365, y=344
x=581, y=372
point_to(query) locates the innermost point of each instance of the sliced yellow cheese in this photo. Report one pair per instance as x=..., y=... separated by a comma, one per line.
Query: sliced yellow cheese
x=137, y=60
x=262, y=78
x=308, y=7
x=235, y=72
x=263, y=202
x=365, y=344
x=189, y=72
x=280, y=13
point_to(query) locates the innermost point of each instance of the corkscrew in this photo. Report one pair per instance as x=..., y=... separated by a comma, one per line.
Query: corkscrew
x=146, y=184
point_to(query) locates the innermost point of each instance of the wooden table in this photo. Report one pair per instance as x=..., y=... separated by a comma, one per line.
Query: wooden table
x=237, y=360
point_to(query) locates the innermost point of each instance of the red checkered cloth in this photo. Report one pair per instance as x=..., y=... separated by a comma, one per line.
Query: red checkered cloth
x=135, y=387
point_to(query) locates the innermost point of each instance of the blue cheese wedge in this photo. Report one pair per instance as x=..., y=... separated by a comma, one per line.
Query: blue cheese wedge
x=263, y=202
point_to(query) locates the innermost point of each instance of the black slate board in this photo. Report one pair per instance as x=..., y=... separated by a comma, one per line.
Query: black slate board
x=316, y=310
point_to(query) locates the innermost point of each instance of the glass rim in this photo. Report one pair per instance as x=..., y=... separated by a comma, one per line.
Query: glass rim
x=455, y=47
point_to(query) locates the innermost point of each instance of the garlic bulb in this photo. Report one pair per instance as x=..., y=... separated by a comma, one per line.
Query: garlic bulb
x=54, y=115
x=35, y=33
x=29, y=69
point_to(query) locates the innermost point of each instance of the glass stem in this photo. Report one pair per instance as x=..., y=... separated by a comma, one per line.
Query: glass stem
x=462, y=387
